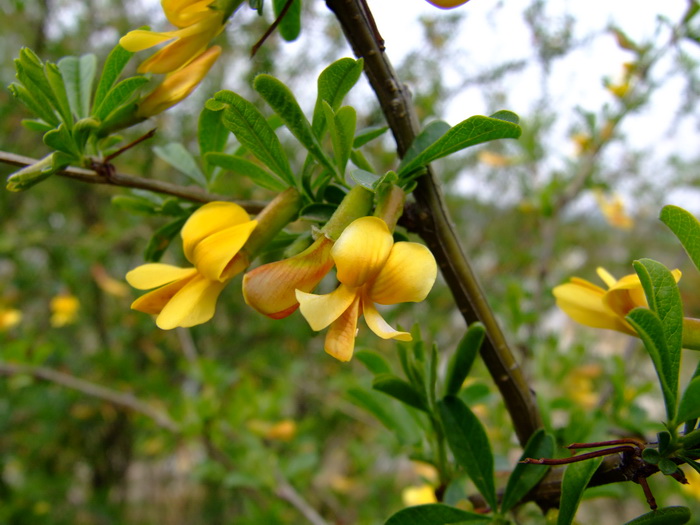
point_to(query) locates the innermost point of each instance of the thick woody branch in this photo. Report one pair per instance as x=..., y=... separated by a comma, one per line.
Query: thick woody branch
x=190, y=193
x=432, y=218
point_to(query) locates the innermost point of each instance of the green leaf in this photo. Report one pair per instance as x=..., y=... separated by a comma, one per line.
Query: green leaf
x=341, y=126
x=693, y=464
x=282, y=100
x=387, y=415
x=31, y=73
x=667, y=466
x=290, y=26
x=212, y=135
x=162, y=238
x=334, y=83
x=689, y=407
x=399, y=389
x=365, y=178
x=117, y=96
x=686, y=227
x=470, y=445
x=82, y=131
x=32, y=174
x=61, y=139
x=79, y=76
x=55, y=79
x=182, y=160
x=241, y=166
x=691, y=440
x=576, y=478
x=435, y=514
x=663, y=516
x=253, y=132
x=374, y=361
x=474, y=130
x=317, y=212
x=462, y=360
x=40, y=109
x=525, y=476
x=428, y=136
x=507, y=116
x=650, y=330
x=368, y=134
x=114, y=65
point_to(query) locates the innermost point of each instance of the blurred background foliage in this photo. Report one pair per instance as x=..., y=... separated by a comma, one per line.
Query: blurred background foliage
x=257, y=421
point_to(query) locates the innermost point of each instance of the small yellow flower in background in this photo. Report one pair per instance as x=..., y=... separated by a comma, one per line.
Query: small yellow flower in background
x=9, y=318
x=580, y=385
x=447, y=4
x=283, y=430
x=271, y=288
x=371, y=269
x=583, y=142
x=199, y=25
x=212, y=239
x=613, y=209
x=107, y=283
x=64, y=309
x=596, y=307
x=418, y=495
x=177, y=86
x=496, y=160
x=693, y=486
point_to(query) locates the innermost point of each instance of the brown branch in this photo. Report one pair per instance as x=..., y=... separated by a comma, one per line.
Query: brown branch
x=190, y=193
x=435, y=225
x=121, y=399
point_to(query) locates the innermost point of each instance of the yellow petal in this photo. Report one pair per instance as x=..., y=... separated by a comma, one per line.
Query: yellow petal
x=340, y=339
x=141, y=39
x=210, y=218
x=321, y=310
x=379, y=326
x=153, y=275
x=177, y=86
x=194, y=304
x=153, y=302
x=270, y=288
x=361, y=250
x=182, y=13
x=213, y=254
x=606, y=277
x=586, y=306
x=407, y=276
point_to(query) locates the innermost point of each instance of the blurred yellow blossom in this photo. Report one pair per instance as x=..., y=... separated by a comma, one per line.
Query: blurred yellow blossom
x=107, y=283
x=580, y=385
x=418, y=495
x=64, y=309
x=9, y=317
x=583, y=142
x=613, y=209
x=596, y=307
x=693, y=486
x=491, y=158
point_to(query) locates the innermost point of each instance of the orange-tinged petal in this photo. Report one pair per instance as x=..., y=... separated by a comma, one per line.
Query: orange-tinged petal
x=153, y=275
x=213, y=254
x=586, y=306
x=177, y=86
x=210, y=218
x=378, y=325
x=340, y=339
x=321, y=310
x=194, y=304
x=361, y=250
x=270, y=288
x=153, y=302
x=407, y=276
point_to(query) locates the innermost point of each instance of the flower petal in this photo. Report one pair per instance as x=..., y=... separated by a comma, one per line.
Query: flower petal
x=270, y=288
x=153, y=302
x=606, y=277
x=213, y=253
x=194, y=304
x=340, y=339
x=361, y=250
x=182, y=13
x=378, y=325
x=585, y=305
x=321, y=310
x=141, y=39
x=210, y=218
x=153, y=275
x=407, y=276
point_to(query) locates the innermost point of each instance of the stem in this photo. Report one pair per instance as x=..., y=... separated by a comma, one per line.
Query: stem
x=435, y=225
x=190, y=193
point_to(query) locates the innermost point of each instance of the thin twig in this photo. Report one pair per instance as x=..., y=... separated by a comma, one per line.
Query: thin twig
x=122, y=399
x=190, y=193
x=270, y=29
x=435, y=225
x=287, y=492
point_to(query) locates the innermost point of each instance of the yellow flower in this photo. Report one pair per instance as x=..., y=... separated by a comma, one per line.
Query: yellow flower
x=178, y=85
x=447, y=4
x=593, y=306
x=198, y=23
x=613, y=209
x=418, y=495
x=271, y=288
x=371, y=269
x=212, y=239
x=64, y=309
x=9, y=317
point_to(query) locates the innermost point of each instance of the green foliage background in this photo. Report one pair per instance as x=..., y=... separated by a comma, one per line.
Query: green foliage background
x=70, y=458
